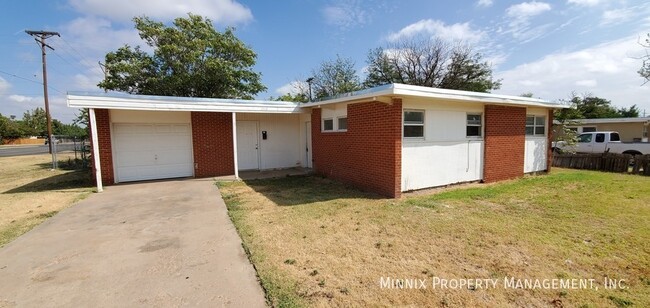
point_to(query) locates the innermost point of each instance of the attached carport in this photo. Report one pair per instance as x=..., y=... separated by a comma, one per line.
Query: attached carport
x=138, y=137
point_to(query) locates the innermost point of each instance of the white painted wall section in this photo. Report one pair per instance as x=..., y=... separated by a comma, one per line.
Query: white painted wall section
x=430, y=164
x=138, y=116
x=282, y=148
x=536, y=146
x=445, y=155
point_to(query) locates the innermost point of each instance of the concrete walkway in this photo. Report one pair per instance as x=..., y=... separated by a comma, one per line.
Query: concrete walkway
x=165, y=244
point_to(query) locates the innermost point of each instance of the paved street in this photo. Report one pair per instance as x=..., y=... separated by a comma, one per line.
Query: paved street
x=17, y=150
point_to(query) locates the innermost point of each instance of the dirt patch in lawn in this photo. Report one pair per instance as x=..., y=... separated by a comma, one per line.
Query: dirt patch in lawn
x=30, y=192
x=316, y=242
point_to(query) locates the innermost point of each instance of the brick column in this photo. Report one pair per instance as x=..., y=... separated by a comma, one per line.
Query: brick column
x=212, y=144
x=105, y=146
x=505, y=137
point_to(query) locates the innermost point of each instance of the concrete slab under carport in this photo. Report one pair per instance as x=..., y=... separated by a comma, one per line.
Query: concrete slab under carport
x=167, y=243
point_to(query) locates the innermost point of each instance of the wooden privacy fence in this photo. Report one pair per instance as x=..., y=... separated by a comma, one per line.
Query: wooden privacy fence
x=610, y=162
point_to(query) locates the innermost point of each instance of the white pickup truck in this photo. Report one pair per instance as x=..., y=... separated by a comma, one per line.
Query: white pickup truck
x=601, y=142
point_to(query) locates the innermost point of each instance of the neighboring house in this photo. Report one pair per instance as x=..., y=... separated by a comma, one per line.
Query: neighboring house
x=630, y=129
x=387, y=139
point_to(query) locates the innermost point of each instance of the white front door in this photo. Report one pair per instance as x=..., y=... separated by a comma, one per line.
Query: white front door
x=247, y=145
x=308, y=143
x=152, y=151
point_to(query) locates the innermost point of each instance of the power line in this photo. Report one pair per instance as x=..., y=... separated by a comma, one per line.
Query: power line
x=79, y=59
x=30, y=80
x=78, y=66
x=77, y=52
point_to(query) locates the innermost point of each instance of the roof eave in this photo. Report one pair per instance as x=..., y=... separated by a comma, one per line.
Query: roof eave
x=102, y=102
x=401, y=90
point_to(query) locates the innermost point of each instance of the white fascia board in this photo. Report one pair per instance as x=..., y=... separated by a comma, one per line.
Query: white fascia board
x=182, y=104
x=371, y=94
x=401, y=90
x=486, y=98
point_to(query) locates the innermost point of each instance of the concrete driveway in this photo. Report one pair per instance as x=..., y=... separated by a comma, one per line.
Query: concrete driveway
x=165, y=243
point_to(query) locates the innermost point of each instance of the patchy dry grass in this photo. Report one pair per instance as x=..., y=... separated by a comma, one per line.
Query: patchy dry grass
x=316, y=242
x=30, y=192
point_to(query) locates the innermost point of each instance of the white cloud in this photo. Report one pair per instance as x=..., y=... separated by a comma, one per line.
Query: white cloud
x=346, y=14
x=23, y=98
x=519, y=25
x=96, y=36
x=587, y=83
x=4, y=85
x=484, y=3
x=221, y=11
x=616, y=16
x=608, y=70
x=584, y=2
x=495, y=59
x=527, y=9
x=437, y=28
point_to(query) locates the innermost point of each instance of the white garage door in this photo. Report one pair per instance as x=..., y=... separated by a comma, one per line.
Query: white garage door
x=152, y=151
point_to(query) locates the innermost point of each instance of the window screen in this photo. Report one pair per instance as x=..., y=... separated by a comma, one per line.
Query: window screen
x=474, y=125
x=413, y=123
x=343, y=123
x=328, y=124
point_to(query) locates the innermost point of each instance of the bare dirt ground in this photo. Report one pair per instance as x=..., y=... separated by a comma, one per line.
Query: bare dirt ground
x=31, y=192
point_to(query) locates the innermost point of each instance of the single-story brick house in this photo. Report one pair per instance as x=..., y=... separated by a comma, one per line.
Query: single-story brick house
x=388, y=139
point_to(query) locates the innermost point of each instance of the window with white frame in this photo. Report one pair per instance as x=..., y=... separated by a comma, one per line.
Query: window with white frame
x=328, y=125
x=413, y=123
x=342, y=123
x=474, y=125
x=535, y=125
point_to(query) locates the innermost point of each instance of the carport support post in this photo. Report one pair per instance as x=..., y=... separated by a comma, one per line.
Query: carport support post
x=234, y=143
x=95, y=140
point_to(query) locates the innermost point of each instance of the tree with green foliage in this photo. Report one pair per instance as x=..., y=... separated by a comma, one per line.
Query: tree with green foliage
x=69, y=130
x=297, y=97
x=632, y=112
x=430, y=63
x=190, y=59
x=588, y=106
x=593, y=107
x=35, y=122
x=334, y=77
x=10, y=128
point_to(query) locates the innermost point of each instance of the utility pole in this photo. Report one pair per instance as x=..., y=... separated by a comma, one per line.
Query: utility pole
x=40, y=37
x=104, y=69
x=309, y=81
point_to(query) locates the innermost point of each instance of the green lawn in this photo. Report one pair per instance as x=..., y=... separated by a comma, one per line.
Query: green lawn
x=318, y=242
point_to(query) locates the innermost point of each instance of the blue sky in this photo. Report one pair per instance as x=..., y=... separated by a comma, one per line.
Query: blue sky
x=549, y=48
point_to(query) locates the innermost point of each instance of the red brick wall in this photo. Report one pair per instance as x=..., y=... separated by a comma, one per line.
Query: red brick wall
x=212, y=141
x=505, y=137
x=549, y=129
x=105, y=149
x=369, y=154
